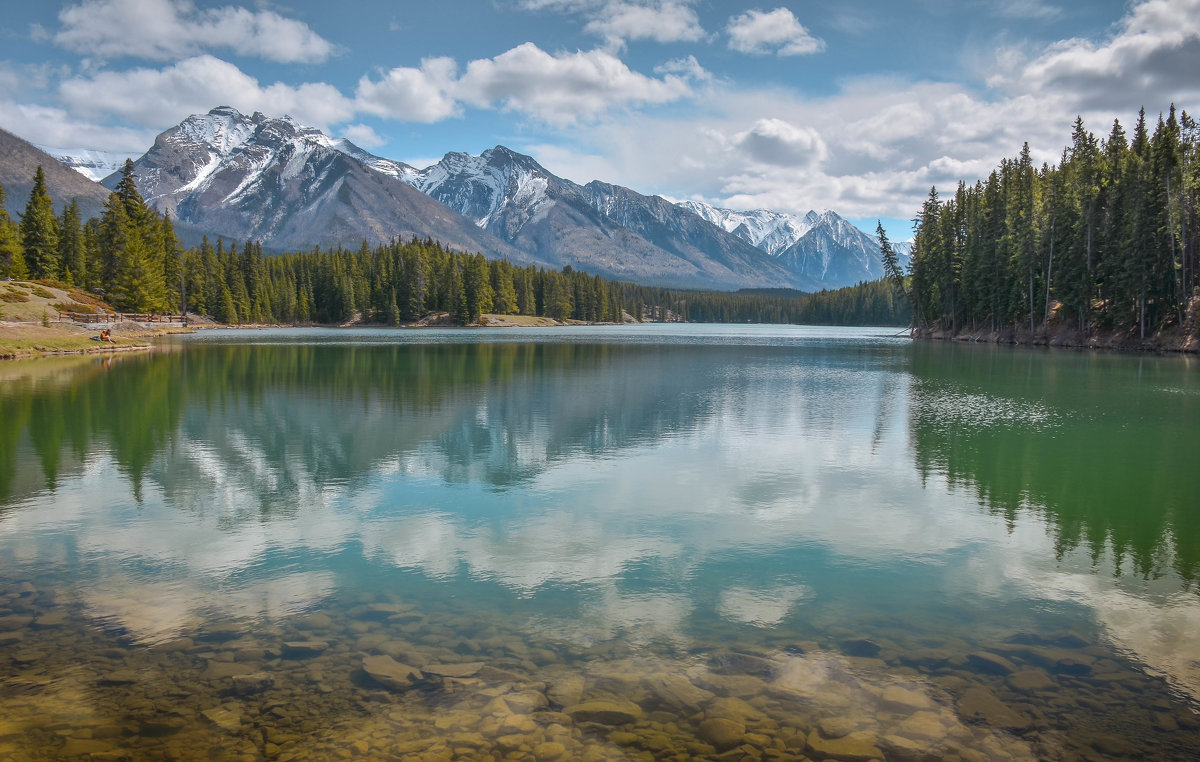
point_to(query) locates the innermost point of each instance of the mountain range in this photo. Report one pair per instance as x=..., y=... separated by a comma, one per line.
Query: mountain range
x=291, y=187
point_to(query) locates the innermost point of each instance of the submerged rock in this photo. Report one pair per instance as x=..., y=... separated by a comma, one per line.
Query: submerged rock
x=304, y=648
x=606, y=711
x=255, y=682
x=1029, y=680
x=855, y=747
x=676, y=691
x=722, y=733
x=990, y=663
x=390, y=673
x=981, y=705
x=224, y=718
x=466, y=669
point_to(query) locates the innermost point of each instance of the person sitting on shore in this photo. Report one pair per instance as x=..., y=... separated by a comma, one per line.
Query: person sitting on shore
x=106, y=335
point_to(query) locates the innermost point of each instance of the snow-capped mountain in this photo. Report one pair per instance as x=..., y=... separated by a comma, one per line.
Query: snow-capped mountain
x=94, y=165
x=19, y=160
x=767, y=229
x=822, y=247
x=292, y=187
x=600, y=228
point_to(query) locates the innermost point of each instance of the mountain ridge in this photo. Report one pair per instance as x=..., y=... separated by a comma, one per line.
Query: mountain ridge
x=291, y=187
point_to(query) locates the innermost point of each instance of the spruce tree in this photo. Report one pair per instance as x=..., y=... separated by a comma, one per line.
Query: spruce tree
x=39, y=231
x=11, y=256
x=72, y=246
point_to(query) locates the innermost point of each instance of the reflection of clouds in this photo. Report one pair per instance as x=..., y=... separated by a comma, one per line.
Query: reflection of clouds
x=670, y=468
x=1159, y=630
x=560, y=548
x=637, y=618
x=154, y=611
x=762, y=608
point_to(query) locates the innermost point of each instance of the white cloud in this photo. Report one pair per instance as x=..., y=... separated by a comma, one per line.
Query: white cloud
x=687, y=67
x=665, y=21
x=1151, y=60
x=777, y=142
x=412, y=95
x=165, y=96
x=621, y=21
x=564, y=88
x=363, y=135
x=168, y=29
x=54, y=126
x=776, y=31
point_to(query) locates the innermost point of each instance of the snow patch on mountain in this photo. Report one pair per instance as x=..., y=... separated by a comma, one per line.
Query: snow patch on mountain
x=767, y=229
x=486, y=186
x=94, y=165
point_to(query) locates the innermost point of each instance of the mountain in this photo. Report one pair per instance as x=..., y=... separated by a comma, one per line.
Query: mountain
x=292, y=187
x=819, y=247
x=94, y=165
x=19, y=160
x=600, y=228
x=766, y=229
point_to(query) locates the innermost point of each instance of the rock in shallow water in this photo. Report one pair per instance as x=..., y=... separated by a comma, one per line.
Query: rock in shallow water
x=390, y=673
x=856, y=747
x=606, y=711
x=466, y=669
x=722, y=733
x=981, y=705
x=303, y=648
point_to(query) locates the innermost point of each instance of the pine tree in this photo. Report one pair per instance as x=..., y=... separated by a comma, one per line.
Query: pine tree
x=12, y=260
x=891, y=263
x=39, y=231
x=72, y=246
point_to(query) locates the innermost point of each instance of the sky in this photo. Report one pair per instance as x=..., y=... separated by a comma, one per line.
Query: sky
x=859, y=106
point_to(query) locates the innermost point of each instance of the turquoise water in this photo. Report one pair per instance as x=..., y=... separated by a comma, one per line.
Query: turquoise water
x=626, y=542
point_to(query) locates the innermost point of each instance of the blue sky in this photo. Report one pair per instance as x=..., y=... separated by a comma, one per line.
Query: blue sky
x=856, y=105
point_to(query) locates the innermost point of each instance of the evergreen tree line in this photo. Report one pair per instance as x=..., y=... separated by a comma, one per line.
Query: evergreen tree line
x=131, y=256
x=1103, y=240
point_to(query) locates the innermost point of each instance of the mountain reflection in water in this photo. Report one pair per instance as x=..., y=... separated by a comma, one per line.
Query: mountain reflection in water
x=587, y=503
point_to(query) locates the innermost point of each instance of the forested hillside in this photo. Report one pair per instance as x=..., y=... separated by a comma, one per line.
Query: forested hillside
x=1104, y=240
x=131, y=256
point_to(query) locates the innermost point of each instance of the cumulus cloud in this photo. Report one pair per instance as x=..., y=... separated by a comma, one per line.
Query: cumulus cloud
x=776, y=31
x=666, y=21
x=163, y=30
x=412, y=95
x=1150, y=60
x=164, y=96
x=563, y=88
x=621, y=21
x=363, y=135
x=55, y=126
x=777, y=142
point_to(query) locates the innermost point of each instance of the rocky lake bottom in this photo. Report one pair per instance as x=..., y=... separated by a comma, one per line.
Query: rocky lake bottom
x=378, y=678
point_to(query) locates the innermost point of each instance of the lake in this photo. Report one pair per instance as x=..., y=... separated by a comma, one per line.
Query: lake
x=625, y=542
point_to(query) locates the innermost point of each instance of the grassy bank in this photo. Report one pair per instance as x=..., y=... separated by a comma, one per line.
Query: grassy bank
x=29, y=325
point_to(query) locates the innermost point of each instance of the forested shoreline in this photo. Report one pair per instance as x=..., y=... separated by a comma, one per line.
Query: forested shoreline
x=1100, y=247
x=131, y=256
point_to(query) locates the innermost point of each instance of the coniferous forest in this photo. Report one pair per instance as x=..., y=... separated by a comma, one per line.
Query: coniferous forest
x=132, y=257
x=1102, y=241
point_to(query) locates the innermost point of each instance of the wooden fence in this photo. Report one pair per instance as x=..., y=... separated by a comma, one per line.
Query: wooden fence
x=117, y=317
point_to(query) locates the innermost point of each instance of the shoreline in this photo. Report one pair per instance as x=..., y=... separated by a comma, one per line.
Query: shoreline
x=1170, y=342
